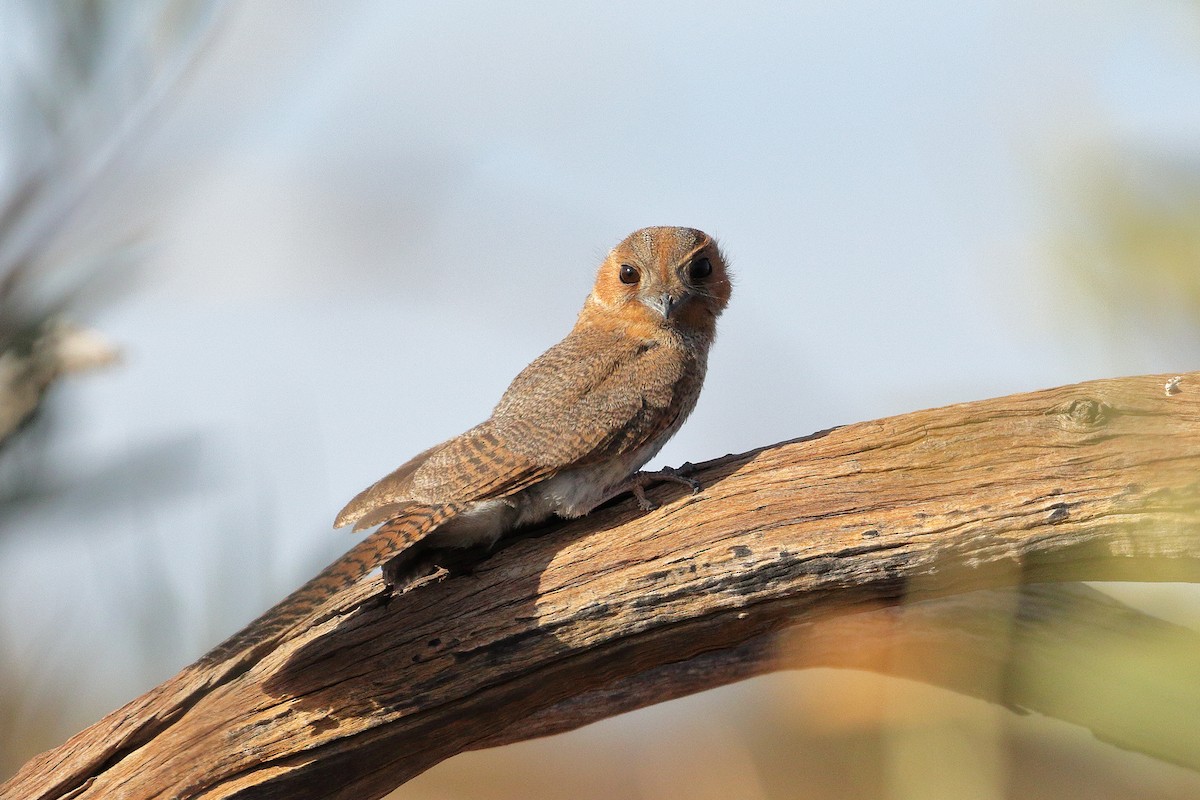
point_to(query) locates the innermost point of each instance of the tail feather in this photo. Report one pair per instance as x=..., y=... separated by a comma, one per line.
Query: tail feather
x=391, y=540
x=392, y=489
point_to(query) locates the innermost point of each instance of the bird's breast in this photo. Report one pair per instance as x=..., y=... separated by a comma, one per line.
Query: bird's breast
x=575, y=492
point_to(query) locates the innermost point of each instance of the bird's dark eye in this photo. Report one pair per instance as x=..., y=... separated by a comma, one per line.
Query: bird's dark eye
x=700, y=269
x=629, y=275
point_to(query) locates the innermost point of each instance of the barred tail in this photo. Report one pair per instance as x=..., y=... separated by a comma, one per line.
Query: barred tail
x=393, y=538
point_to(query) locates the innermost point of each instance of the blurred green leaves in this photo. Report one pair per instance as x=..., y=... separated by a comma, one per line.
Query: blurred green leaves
x=1133, y=239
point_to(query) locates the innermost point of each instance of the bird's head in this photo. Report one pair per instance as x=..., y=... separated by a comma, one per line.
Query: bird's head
x=659, y=278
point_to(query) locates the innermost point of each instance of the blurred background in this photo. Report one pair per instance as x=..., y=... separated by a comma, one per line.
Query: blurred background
x=255, y=255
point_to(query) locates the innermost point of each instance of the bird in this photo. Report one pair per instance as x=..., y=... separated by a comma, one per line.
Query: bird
x=572, y=431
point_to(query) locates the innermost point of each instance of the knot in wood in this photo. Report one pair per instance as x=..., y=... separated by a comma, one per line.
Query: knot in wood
x=1083, y=413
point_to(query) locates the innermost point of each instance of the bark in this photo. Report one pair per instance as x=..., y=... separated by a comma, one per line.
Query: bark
x=883, y=545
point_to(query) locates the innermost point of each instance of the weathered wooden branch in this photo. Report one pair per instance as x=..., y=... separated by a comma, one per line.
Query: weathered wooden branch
x=892, y=519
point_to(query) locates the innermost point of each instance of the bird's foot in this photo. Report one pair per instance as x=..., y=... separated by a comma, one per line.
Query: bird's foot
x=638, y=482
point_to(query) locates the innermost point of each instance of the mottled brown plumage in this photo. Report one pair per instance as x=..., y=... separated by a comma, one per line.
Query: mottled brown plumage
x=573, y=428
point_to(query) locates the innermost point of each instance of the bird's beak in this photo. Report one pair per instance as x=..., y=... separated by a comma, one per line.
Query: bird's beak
x=665, y=304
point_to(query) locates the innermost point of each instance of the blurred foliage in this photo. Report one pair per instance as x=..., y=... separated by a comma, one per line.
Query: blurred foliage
x=79, y=81
x=1134, y=240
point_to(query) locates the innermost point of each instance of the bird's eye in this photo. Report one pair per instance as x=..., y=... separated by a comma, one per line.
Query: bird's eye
x=629, y=275
x=700, y=269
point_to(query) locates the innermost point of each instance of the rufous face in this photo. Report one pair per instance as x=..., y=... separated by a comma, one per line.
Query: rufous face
x=665, y=277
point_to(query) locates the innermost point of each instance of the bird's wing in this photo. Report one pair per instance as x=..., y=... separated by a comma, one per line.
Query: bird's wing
x=594, y=396
x=591, y=397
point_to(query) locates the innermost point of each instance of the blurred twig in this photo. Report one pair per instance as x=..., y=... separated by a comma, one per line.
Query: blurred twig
x=1063, y=650
x=25, y=373
x=81, y=80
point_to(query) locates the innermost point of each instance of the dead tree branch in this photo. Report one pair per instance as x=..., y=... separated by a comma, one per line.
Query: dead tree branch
x=790, y=556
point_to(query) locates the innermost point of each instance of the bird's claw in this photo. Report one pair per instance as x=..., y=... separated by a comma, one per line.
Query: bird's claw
x=644, y=502
x=637, y=484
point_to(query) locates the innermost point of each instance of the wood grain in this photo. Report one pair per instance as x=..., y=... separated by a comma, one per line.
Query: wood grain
x=582, y=620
